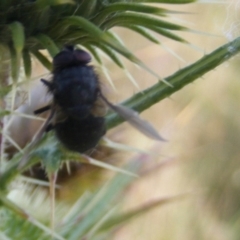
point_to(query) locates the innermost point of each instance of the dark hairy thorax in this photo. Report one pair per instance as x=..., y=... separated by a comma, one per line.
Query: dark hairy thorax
x=75, y=86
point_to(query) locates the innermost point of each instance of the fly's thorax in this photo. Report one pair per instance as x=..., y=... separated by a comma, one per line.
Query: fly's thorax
x=76, y=82
x=84, y=74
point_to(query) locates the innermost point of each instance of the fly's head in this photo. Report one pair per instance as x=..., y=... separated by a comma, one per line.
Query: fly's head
x=70, y=57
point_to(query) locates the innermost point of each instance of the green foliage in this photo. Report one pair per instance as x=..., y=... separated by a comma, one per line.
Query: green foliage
x=14, y=227
x=29, y=27
x=83, y=220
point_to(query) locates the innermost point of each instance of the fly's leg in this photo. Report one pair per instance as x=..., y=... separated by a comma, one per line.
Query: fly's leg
x=43, y=109
x=48, y=84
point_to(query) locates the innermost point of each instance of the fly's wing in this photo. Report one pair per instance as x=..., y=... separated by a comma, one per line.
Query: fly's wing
x=133, y=118
x=99, y=108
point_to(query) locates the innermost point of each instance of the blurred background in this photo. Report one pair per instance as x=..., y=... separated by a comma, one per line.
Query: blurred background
x=201, y=157
x=202, y=125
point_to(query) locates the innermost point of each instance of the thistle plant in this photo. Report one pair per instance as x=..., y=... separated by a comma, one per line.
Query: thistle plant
x=39, y=29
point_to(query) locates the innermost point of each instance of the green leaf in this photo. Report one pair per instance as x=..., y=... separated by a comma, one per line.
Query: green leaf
x=93, y=51
x=167, y=1
x=144, y=32
x=18, y=36
x=20, y=216
x=134, y=7
x=27, y=63
x=50, y=155
x=181, y=78
x=139, y=19
x=111, y=42
x=111, y=54
x=83, y=23
x=18, y=39
x=88, y=8
x=167, y=34
x=106, y=38
x=99, y=205
x=43, y=60
x=47, y=3
x=4, y=113
x=123, y=218
x=5, y=90
x=48, y=44
x=89, y=160
x=15, y=64
x=164, y=32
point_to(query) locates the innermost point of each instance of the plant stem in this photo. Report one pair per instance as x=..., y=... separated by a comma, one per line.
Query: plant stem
x=145, y=99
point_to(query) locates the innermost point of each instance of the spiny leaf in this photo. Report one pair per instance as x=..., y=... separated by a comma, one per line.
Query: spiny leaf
x=116, y=37
x=167, y=1
x=89, y=160
x=11, y=141
x=106, y=38
x=15, y=64
x=86, y=159
x=93, y=51
x=109, y=51
x=19, y=212
x=181, y=78
x=83, y=23
x=36, y=182
x=47, y=3
x=139, y=19
x=18, y=39
x=48, y=43
x=95, y=229
x=123, y=147
x=127, y=54
x=27, y=63
x=125, y=6
x=123, y=218
x=43, y=60
x=133, y=7
x=144, y=32
x=57, y=2
x=5, y=90
x=167, y=34
x=18, y=36
x=162, y=31
x=87, y=8
x=93, y=213
x=49, y=154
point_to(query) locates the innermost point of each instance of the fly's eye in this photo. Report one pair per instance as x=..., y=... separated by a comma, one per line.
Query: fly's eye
x=69, y=57
x=82, y=56
x=63, y=59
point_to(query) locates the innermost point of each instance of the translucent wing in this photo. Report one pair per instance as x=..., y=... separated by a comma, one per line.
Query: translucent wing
x=134, y=119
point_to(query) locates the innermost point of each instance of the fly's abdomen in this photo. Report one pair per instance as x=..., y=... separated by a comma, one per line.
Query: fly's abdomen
x=81, y=135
